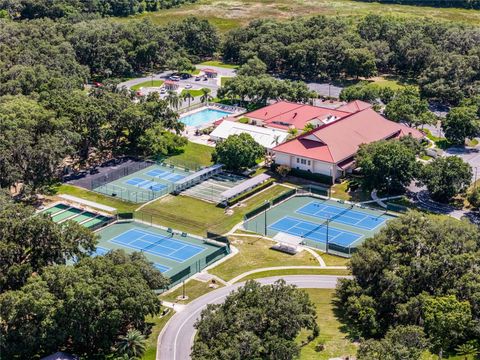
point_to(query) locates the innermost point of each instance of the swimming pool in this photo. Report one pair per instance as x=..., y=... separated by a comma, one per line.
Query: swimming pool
x=203, y=117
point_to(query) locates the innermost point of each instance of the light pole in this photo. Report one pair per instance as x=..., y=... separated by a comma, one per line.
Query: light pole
x=265, y=218
x=326, y=245
x=475, y=179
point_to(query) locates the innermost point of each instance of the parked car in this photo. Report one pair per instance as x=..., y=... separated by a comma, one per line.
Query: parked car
x=185, y=76
x=175, y=78
x=188, y=86
x=197, y=78
x=163, y=91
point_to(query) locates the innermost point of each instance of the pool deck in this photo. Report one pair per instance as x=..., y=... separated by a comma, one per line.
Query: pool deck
x=190, y=132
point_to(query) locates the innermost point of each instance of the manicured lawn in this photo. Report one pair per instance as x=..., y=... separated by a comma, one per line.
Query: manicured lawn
x=149, y=83
x=255, y=253
x=332, y=260
x=194, y=93
x=390, y=82
x=219, y=64
x=194, y=153
x=285, y=272
x=193, y=289
x=121, y=206
x=224, y=80
x=196, y=216
x=335, y=341
x=158, y=324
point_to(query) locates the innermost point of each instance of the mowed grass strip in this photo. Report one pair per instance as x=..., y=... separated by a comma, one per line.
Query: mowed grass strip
x=121, y=206
x=255, y=253
x=196, y=216
x=219, y=64
x=149, y=83
x=157, y=325
x=285, y=272
x=335, y=341
x=193, y=289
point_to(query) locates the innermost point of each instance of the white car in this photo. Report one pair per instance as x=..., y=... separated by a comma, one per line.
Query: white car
x=175, y=78
x=188, y=86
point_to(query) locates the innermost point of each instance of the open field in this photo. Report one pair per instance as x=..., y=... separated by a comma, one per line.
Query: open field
x=255, y=253
x=233, y=13
x=219, y=64
x=196, y=216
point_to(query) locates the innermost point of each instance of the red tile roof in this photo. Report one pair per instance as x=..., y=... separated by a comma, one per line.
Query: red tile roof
x=284, y=114
x=210, y=71
x=339, y=140
x=354, y=106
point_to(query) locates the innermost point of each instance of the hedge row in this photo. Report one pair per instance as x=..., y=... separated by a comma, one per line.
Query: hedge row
x=250, y=192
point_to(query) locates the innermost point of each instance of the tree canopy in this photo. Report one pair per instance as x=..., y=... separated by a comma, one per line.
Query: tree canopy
x=461, y=123
x=387, y=165
x=446, y=177
x=419, y=270
x=238, y=152
x=255, y=322
x=85, y=308
x=443, y=58
x=28, y=243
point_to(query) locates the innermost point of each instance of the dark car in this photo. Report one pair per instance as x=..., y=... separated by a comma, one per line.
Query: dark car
x=186, y=76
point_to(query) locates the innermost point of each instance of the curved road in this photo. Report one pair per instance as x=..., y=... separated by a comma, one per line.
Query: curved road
x=176, y=339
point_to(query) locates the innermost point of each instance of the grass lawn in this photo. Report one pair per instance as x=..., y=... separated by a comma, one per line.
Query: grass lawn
x=224, y=80
x=332, y=260
x=219, y=64
x=196, y=216
x=255, y=253
x=196, y=153
x=335, y=341
x=194, y=93
x=149, y=83
x=193, y=289
x=229, y=14
x=285, y=272
x=121, y=206
x=390, y=82
x=340, y=191
x=158, y=324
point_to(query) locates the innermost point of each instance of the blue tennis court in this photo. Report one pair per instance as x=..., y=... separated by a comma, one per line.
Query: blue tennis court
x=315, y=232
x=99, y=251
x=145, y=184
x=161, y=268
x=166, y=175
x=342, y=215
x=157, y=245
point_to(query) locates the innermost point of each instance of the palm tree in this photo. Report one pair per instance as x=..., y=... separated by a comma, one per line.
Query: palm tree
x=132, y=345
x=187, y=96
x=468, y=350
x=308, y=127
x=173, y=99
x=205, y=95
x=292, y=133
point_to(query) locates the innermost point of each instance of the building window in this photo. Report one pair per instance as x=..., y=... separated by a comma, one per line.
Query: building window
x=298, y=160
x=308, y=162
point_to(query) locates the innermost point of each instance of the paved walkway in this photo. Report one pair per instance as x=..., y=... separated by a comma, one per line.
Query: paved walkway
x=176, y=339
x=276, y=268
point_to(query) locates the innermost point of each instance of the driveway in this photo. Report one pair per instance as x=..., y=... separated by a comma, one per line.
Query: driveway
x=469, y=155
x=176, y=339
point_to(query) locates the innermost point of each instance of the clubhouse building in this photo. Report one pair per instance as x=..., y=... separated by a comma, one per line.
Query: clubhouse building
x=330, y=148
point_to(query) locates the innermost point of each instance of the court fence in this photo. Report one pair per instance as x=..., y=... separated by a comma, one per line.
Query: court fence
x=283, y=197
x=257, y=211
x=396, y=207
x=119, y=173
x=335, y=249
x=135, y=196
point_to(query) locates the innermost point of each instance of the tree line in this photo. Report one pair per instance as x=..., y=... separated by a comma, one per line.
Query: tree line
x=74, y=9
x=467, y=4
x=48, y=304
x=443, y=58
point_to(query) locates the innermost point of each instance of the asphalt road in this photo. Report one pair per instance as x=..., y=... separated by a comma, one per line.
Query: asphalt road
x=176, y=339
